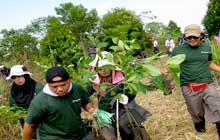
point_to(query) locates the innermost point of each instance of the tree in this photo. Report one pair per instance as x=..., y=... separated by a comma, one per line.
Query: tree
x=211, y=20
x=21, y=45
x=66, y=31
x=38, y=27
x=78, y=18
x=124, y=24
x=173, y=29
x=59, y=44
x=155, y=28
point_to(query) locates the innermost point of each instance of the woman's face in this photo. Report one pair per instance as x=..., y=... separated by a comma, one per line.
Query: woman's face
x=193, y=40
x=104, y=73
x=19, y=80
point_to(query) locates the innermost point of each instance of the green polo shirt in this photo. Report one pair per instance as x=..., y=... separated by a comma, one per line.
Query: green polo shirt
x=106, y=102
x=194, y=68
x=58, y=118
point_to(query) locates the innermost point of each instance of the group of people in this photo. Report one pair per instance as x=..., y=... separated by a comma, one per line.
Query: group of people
x=170, y=45
x=54, y=108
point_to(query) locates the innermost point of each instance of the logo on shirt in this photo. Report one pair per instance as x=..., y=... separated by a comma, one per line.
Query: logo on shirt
x=77, y=100
x=204, y=52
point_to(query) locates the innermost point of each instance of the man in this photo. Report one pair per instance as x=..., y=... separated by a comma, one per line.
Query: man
x=56, y=110
x=155, y=47
x=167, y=45
x=197, y=84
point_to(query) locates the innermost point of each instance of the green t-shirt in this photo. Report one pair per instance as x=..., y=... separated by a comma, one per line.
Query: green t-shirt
x=106, y=102
x=58, y=118
x=194, y=68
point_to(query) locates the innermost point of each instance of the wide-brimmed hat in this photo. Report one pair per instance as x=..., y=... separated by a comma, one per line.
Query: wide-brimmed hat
x=102, y=59
x=17, y=70
x=192, y=30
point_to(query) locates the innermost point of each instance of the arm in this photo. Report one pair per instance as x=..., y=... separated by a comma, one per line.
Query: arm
x=214, y=67
x=27, y=131
x=85, y=100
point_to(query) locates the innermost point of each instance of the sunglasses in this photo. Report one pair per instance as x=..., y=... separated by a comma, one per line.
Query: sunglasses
x=192, y=37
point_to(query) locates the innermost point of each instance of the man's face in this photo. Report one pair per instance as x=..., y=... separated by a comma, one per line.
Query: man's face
x=60, y=88
x=193, y=40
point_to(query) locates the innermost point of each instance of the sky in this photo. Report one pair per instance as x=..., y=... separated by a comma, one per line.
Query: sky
x=19, y=13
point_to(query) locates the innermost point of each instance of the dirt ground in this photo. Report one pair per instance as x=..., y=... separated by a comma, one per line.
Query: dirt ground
x=170, y=119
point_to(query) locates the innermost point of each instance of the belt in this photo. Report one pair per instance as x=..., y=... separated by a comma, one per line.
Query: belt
x=197, y=86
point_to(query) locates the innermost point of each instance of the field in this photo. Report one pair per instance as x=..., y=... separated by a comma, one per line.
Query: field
x=169, y=121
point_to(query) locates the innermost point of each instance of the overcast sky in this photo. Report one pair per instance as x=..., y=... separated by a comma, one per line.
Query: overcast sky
x=19, y=13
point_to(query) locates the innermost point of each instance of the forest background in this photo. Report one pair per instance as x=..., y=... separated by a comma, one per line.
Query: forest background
x=64, y=39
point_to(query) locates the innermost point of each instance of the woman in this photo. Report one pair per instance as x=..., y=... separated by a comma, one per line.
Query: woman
x=113, y=79
x=23, y=88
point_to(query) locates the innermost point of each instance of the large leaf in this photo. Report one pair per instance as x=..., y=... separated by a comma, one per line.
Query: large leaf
x=173, y=64
x=158, y=82
x=151, y=70
x=175, y=61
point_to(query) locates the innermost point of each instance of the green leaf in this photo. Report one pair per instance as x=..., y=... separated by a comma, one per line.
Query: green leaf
x=142, y=87
x=131, y=78
x=151, y=70
x=103, y=86
x=158, y=82
x=173, y=64
x=175, y=61
x=115, y=40
x=132, y=88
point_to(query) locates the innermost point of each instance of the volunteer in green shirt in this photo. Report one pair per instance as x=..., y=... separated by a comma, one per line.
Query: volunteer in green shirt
x=198, y=88
x=23, y=89
x=113, y=79
x=56, y=110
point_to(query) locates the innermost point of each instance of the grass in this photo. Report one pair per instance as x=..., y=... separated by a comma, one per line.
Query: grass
x=170, y=119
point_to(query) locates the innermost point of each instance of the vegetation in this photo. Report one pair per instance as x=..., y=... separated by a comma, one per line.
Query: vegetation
x=212, y=19
x=64, y=39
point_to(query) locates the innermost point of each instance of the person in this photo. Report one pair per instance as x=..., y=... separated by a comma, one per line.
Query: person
x=181, y=40
x=167, y=45
x=197, y=86
x=4, y=71
x=23, y=89
x=91, y=52
x=113, y=78
x=155, y=47
x=56, y=110
x=172, y=45
x=140, y=54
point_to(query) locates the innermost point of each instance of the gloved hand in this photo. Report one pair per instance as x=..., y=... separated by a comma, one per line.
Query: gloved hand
x=104, y=117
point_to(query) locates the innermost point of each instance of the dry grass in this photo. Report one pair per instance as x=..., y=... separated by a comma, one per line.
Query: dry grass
x=170, y=119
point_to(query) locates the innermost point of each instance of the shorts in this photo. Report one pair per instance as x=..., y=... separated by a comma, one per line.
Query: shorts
x=203, y=102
